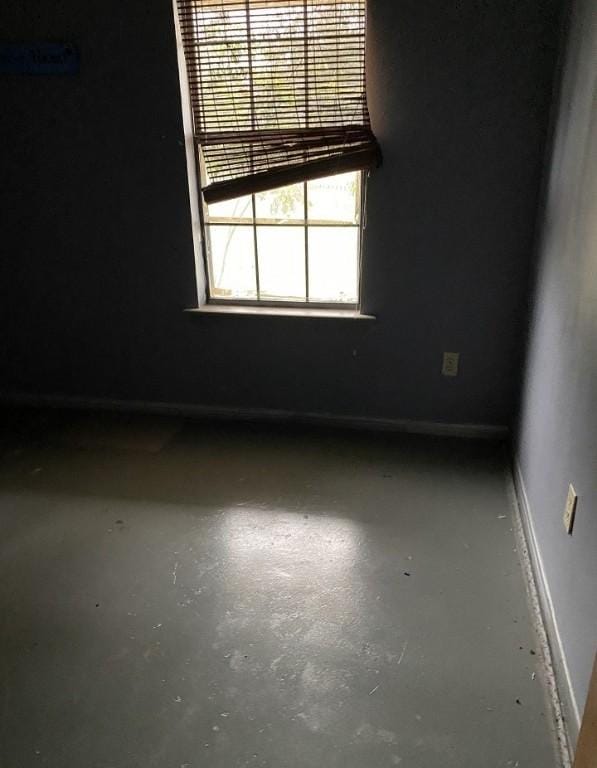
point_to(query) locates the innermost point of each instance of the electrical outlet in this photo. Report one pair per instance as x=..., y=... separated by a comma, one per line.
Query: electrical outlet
x=570, y=510
x=450, y=363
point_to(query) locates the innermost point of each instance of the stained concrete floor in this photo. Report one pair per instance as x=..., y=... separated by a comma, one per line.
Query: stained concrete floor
x=185, y=595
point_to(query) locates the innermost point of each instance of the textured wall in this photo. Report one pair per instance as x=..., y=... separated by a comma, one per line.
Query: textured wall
x=558, y=437
x=97, y=259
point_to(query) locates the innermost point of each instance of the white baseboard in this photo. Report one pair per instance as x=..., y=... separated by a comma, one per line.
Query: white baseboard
x=564, y=704
x=480, y=431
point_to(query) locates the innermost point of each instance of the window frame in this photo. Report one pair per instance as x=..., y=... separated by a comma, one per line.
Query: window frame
x=198, y=207
x=304, y=224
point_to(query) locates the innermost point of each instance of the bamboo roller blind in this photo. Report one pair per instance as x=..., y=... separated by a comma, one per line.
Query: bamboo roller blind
x=277, y=91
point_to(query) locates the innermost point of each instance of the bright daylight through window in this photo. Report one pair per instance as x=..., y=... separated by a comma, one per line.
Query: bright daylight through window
x=298, y=243
x=284, y=143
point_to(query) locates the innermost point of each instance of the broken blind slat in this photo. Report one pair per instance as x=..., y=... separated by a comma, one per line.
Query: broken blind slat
x=277, y=91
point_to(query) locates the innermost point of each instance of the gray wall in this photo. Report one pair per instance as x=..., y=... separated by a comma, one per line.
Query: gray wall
x=97, y=261
x=558, y=436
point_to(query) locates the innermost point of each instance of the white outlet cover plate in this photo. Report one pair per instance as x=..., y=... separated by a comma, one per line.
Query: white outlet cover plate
x=570, y=510
x=450, y=363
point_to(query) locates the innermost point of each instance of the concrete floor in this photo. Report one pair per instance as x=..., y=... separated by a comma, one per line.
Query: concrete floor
x=227, y=596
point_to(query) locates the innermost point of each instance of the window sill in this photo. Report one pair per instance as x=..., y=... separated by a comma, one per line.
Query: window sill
x=334, y=314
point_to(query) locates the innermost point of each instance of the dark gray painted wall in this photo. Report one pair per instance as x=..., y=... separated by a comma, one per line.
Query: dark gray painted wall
x=558, y=438
x=97, y=259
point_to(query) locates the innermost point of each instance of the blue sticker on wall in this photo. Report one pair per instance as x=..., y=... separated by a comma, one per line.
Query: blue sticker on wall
x=39, y=59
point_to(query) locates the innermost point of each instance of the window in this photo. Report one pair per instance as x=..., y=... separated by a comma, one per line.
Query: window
x=296, y=244
x=283, y=142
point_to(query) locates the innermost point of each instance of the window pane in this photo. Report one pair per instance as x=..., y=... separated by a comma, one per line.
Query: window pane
x=232, y=255
x=239, y=208
x=285, y=203
x=333, y=264
x=335, y=198
x=281, y=252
